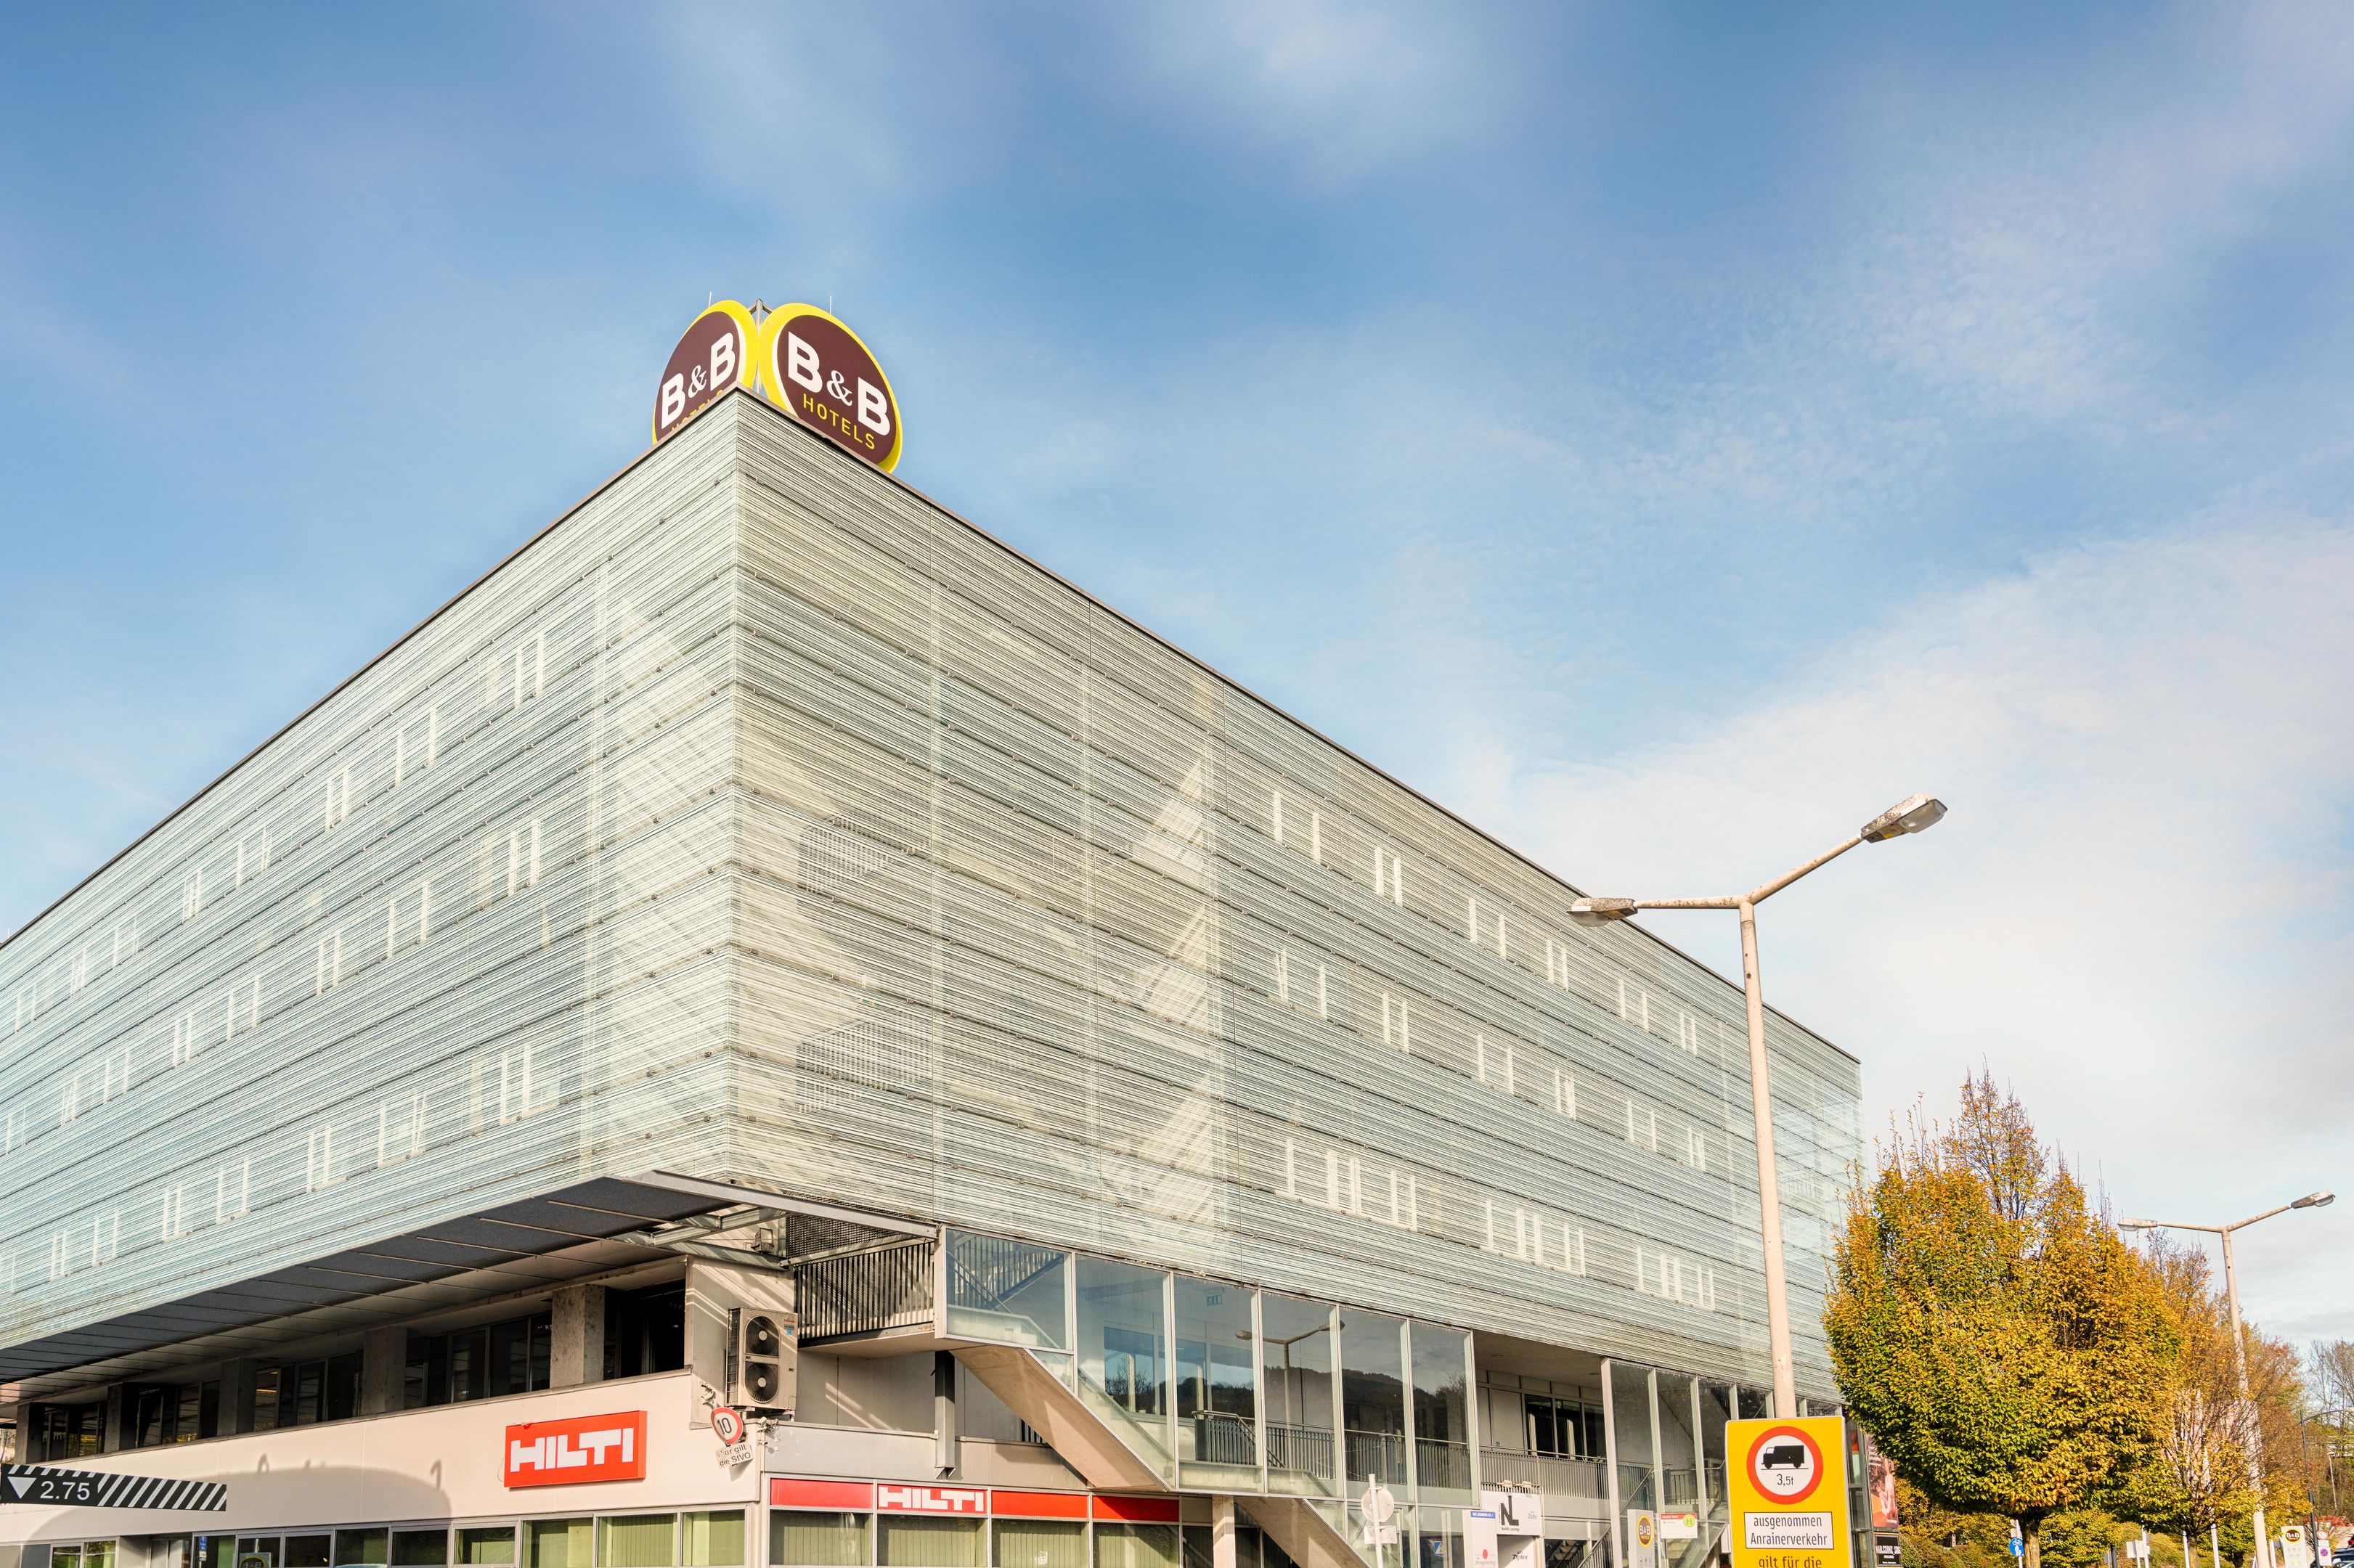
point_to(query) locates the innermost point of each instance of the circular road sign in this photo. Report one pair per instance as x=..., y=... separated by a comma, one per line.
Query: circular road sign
x=1785, y=1464
x=1379, y=1502
x=727, y=1424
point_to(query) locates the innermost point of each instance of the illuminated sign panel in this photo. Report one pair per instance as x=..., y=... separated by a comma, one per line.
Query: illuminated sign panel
x=817, y=370
x=716, y=354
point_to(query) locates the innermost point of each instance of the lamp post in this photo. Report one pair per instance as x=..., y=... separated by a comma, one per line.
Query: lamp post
x=1910, y=815
x=2239, y=1342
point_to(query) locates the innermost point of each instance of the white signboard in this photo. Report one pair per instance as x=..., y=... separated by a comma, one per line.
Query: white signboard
x=1788, y=1532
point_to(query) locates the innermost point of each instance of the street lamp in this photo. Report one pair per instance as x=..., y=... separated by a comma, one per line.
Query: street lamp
x=2239, y=1345
x=1910, y=815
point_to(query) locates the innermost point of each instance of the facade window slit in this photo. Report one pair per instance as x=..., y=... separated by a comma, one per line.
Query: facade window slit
x=1397, y=1028
x=1316, y=836
x=1642, y=1126
x=252, y=856
x=328, y=973
x=232, y=1190
x=191, y=895
x=335, y=799
x=175, y=1213
x=319, y=1158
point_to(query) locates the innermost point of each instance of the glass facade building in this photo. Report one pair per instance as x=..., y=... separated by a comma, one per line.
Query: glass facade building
x=760, y=822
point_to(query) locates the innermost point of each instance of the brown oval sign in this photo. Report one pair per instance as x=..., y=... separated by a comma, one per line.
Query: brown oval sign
x=817, y=370
x=713, y=354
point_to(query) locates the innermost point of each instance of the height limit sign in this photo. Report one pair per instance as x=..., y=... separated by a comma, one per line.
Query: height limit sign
x=1789, y=1487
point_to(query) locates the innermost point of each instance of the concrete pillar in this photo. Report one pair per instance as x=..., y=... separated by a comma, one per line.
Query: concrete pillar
x=236, y=1398
x=576, y=1351
x=384, y=1362
x=112, y=1439
x=1222, y=1532
x=948, y=1450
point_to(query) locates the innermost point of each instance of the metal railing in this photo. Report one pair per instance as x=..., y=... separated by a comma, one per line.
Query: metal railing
x=866, y=1292
x=1379, y=1454
x=1304, y=1450
x=1553, y=1475
x=1444, y=1465
x=1223, y=1440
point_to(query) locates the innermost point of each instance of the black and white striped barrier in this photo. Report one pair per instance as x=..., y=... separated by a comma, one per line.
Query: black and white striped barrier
x=97, y=1488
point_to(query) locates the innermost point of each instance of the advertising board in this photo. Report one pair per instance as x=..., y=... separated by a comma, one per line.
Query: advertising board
x=577, y=1448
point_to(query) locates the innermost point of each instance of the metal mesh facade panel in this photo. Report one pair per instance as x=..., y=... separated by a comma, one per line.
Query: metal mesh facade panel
x=875, y=863
x=454, y=937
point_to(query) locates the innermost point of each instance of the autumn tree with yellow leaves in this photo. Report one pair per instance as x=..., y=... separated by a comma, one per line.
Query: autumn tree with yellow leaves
x=2005, y=1348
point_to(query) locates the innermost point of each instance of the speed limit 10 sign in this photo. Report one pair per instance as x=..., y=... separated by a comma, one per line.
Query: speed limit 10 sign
x=1788, y=1487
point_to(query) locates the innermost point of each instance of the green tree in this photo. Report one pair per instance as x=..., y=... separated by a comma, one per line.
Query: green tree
x=2005, y=1348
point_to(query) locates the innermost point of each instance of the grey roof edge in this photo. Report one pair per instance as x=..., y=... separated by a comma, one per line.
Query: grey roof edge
x=951, y=515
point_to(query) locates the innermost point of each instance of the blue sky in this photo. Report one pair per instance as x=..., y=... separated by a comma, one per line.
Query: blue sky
x=1666, y=434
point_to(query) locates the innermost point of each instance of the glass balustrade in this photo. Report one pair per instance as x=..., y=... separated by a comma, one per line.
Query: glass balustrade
x=1124, y=1361
x=1296, y=1365
x=1219, y=1387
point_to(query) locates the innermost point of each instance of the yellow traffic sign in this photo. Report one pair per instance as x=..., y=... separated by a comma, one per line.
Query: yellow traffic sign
x=1787, y=1481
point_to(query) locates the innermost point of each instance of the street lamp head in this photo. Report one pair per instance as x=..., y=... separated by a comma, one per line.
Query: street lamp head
x=1912, y=814
x=1601, y=911
x=2138, y=1224
x=2321, y=1200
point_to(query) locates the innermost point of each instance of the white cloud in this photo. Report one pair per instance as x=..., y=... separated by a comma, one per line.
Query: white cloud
x=1336, y=93
x=2139, y=912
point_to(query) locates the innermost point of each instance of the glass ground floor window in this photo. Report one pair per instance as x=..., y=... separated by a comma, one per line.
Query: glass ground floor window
x=706, y=1538
x=803, y=1538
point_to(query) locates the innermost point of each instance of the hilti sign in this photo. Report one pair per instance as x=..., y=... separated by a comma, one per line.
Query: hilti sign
x=891, y=1499
x=581, y=1448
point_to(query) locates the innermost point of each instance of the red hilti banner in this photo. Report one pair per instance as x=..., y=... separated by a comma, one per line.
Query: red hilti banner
x=1037, y=1505
x=578, y=1449
x=851, y=1496
x=1136, y=1511
x=890, y=1497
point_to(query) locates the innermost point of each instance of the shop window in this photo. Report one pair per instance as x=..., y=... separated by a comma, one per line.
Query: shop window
x=428, y=1548
x=645, y=1330
x=1136, y=1546
x=797, y=1539
x=493, y=1547
x=486, y=1362
x=308, y=1550
x=637, y=1541
x=711, y=1538
x=1043, y=1543
x=559, y=1542
x=368, y=1548
x=904, y=1541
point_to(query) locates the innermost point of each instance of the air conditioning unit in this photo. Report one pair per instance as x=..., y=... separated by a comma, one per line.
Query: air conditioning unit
x=766, y=1345
x=743, y=1337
